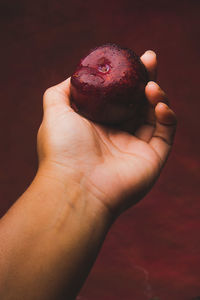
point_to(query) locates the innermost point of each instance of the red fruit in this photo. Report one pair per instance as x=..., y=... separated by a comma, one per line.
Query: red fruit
x=108, y=85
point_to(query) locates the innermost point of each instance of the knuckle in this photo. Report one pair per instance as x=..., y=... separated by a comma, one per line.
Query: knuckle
x=48, y=93
x=39, y=132
x=49, y=97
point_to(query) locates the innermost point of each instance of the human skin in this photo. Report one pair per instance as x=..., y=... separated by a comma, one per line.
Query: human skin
x=88, y=175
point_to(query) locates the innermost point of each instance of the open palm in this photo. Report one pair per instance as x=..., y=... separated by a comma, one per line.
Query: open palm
x=116, y=166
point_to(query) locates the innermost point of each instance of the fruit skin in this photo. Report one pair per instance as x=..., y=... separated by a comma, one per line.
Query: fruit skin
x=108, y=86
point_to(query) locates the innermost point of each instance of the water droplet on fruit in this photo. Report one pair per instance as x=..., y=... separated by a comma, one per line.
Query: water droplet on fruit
x=105, y=68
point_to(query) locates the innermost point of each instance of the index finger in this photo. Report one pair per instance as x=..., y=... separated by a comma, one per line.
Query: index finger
x=57, y=95
x=150, y=61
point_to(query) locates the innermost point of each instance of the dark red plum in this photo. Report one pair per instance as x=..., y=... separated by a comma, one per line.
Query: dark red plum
x=108, y=85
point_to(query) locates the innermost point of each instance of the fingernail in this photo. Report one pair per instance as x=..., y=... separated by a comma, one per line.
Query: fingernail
x=164, y=105
x=151, y=52
x=153, y=83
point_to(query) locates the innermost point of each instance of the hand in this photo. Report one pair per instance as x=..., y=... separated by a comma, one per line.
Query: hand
x=116, y=167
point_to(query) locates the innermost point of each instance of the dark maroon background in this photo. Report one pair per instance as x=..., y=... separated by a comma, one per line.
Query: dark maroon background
x=153, y=250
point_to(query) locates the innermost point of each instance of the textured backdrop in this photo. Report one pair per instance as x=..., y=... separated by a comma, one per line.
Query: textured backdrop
x=153, y=250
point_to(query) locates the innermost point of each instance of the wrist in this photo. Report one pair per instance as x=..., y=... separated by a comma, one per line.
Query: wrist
x=58, y=224
x=70, y=185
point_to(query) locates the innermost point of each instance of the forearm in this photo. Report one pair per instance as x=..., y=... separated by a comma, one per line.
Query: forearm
x=49, y=240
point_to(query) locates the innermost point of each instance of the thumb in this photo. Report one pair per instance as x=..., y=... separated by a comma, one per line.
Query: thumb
x=57, y=96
